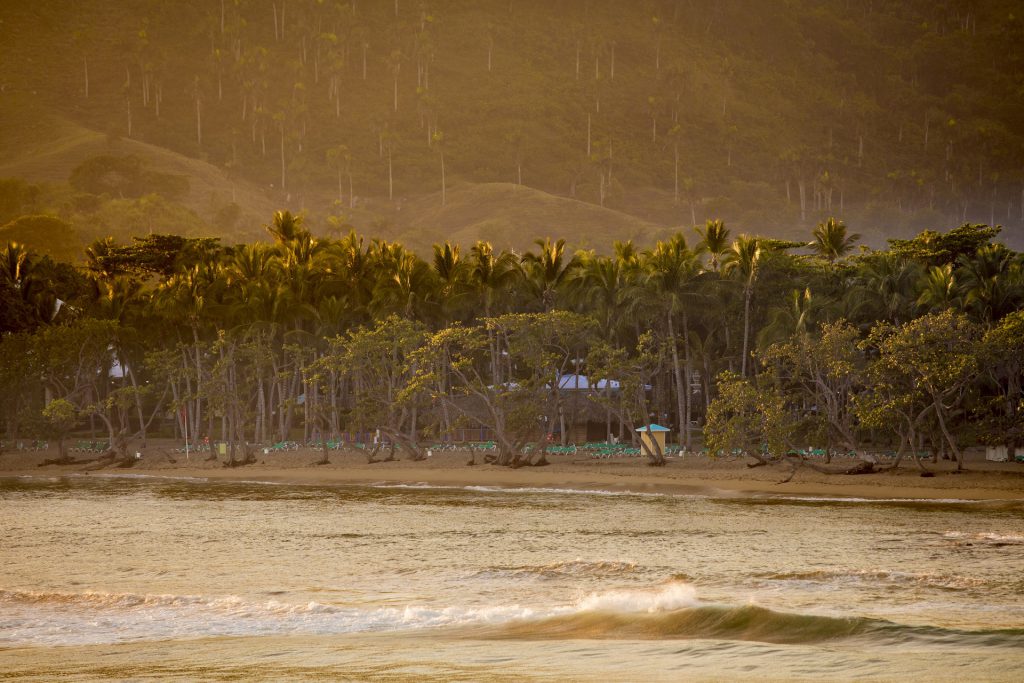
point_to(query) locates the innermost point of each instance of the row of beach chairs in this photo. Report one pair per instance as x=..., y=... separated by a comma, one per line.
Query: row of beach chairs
x=34, y=445
x=90, y=446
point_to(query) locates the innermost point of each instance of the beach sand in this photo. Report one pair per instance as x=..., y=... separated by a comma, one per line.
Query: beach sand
x=981, y=480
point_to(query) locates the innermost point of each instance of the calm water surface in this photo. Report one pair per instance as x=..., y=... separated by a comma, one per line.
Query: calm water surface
x=132, y=578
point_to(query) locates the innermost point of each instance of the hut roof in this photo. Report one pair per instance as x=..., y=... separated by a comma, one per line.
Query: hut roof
x=654, y=428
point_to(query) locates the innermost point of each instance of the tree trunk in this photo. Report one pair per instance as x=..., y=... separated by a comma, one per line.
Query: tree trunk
x=677, y=373
x=746, y=330
x=689, y=373
x=949, y=438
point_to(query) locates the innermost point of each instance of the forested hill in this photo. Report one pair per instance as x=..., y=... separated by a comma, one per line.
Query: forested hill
x=895, y=116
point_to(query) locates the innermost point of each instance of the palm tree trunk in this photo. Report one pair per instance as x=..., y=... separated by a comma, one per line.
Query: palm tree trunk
x=689, y=373
x=677, y=373
x=746, y=330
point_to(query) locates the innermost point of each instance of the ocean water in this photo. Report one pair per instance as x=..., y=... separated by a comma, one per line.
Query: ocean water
x=137, y=578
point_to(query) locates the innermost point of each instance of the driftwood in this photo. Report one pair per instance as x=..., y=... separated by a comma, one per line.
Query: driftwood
x=796, y=462
x=67, y=460
x=371, y=457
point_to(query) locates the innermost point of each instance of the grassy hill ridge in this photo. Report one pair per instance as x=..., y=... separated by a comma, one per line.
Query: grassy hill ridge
x=898, y=117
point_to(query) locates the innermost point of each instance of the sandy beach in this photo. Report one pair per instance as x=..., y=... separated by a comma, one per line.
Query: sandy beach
x=981, y=480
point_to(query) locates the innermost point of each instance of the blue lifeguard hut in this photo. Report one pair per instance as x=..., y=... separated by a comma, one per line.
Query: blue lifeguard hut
x=650, y=434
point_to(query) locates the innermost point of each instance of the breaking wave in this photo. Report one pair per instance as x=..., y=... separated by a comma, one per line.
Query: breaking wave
x=55, y=618
x=671, y=611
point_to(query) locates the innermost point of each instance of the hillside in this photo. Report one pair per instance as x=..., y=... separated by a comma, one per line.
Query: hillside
x=770, y=115
x=47, y=148
x=511, y=216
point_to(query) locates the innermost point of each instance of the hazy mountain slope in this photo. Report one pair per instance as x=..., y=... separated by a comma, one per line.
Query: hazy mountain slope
x=43, y=147
x=896, y=116
x=513, y=216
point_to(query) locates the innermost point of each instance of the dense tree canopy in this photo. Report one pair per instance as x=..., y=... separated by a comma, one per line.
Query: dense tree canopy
x=767, y=348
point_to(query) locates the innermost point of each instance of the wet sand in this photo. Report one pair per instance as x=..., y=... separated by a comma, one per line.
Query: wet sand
x=981, y=480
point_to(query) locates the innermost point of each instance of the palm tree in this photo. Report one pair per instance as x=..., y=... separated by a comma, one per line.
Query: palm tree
x=991, y=282
x=97, y=261
x=548, y=271
x=352, y=269
x=795, y=317
x=608, y=287
x=451, y=271
x=831, y=241
x=939, y=289
x=885, y=287
x=673, y=271
x=489, y=274
x=743, y=263
x=714, y=239
x=404, y=284
x=286, y=227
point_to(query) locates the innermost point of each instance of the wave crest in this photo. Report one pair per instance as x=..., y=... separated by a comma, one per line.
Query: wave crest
x=748, y=622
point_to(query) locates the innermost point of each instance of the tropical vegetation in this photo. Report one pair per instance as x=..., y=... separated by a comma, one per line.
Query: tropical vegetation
x=768, y=346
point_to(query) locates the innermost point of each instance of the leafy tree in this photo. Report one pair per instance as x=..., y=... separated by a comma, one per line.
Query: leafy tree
x=748, y=416
x=1002, y=358
x=826, y=372
x=521, y=404
x=931, y=248
x=633, y=373
x=61, y=417
x=923, y=366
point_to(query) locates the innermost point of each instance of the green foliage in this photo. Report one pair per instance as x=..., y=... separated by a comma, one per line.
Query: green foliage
x=350, y=333
x=931, y=248
x=155, y=254
x=922, y=368
x=831, y=241
x=825, y=370
x=61, y=415
x=748, y=416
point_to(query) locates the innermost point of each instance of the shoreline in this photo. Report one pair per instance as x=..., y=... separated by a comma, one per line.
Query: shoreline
x=692, y=475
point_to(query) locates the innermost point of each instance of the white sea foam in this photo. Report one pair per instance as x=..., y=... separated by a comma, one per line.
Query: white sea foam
x=854, y=499
x=55, y=618
x=520, y=489
x=987, y=537
x=135, y=475
x=676, y=595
